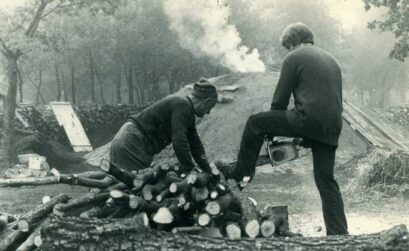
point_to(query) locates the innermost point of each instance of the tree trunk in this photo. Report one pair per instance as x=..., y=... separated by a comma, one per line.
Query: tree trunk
x=137, y=88
x=10, y=156
x=131, y=234
x=73, y=84
x=20, y=86
x=26, y=222
x=129, y=80
x=92, y=77
x=118, y=89
x=101, y=87
x=40, y=83
x=57, y=79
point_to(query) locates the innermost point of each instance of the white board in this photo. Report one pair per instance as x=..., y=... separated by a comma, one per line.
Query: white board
x=67, y=118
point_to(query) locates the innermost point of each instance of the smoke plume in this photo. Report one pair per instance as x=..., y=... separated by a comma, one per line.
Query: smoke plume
x=202, y=27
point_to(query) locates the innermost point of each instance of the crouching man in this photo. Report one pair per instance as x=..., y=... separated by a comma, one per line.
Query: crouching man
x=314, y=79
x=170, y=120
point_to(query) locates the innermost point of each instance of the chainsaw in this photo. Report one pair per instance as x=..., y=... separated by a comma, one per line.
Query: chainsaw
x=283, y=151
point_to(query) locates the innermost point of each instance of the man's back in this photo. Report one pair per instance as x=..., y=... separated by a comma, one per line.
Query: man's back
x=156, y=120
x=315, y=80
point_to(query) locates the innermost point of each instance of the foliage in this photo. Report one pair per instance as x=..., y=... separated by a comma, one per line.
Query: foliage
x=396, y=21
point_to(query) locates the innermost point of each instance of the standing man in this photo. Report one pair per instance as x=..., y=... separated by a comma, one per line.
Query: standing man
x=314, y=79
x=170, y=120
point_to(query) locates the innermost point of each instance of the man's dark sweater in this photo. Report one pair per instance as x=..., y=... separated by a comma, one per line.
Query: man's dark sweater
x=172, y=120
x=314, y=78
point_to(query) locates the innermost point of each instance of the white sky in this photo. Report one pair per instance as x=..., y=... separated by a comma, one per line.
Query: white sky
x=350, y=12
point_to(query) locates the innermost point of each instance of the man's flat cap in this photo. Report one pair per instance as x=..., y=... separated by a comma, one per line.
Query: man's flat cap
x=204, y=89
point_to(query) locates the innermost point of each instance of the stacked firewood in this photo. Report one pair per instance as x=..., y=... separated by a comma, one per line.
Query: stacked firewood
x=189, y=202
x=168, y=200
x=96, y=116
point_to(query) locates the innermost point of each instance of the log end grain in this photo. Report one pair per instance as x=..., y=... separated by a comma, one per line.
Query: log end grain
x=267, y=228
x=252, y=228
x=233, y=231
x=204, y=220
x=163, y=216
x=213, y=208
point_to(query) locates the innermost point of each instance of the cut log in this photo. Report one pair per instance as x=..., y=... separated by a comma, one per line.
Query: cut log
x=33, y=181
x=233, y=231
x=8, y=217
x=120, y=198
x=10, y=239
x=279, y=216
x=120, y=174
x=187, y=230
x=93, y=212
x=249, y=222
x=119, y=186
x=163, y=216
x=163, y=195
x=88, y=201
x=183, y=186
x=267, y=228
x=213, y=208
x=88, y=182
x=31, y=218
x=150, y=176
x=101, y=234
x=141, y=205
x=34, y=240
x=45, y=199
x=251, y=227
x=204, y=220
x=214, y=194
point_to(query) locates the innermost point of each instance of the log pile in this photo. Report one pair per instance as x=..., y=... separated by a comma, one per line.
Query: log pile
x=191, y=202
x=168, y=200
x=28, y=119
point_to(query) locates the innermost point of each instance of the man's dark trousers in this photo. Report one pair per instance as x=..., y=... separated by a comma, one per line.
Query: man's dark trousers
x=275, y=123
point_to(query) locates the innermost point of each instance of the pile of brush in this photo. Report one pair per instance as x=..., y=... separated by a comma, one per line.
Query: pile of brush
x=390, y=174
x=396, y=114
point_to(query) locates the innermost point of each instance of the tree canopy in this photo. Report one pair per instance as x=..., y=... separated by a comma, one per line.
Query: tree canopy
x=396, y=20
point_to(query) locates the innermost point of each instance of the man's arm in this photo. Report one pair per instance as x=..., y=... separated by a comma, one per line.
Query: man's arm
x=180, y=122
x=286, y=83
x=197, y=150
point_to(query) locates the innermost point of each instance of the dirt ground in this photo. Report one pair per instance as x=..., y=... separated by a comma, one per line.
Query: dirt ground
x=291, y=184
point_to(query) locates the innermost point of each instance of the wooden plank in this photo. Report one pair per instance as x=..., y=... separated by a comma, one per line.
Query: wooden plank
x=67, y=118
x=372, y=130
